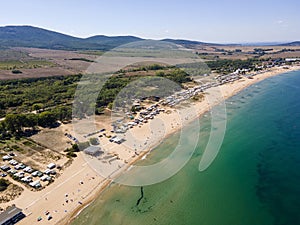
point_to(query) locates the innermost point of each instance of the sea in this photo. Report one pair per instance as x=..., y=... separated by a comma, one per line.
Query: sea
x=254, y=180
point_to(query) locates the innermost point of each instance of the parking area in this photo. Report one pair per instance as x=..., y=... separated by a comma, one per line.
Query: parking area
x=27, y=163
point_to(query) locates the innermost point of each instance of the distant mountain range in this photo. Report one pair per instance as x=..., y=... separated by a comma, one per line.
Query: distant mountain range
x=28, y=36
x=187, y=42
x=295, y=43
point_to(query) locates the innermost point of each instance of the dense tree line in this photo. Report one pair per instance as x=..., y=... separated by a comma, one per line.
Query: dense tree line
x=146, y=68
x=226, y=65
x=26, y=95
x=15, y=124
x=34, y=102
x=108, y=90
x=179, y=76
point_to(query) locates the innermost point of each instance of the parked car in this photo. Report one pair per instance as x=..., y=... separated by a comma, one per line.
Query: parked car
x=12, y=171
x=20, y=166
x=28, y=169
x=5, y=168
x=13, y=162
x=6, y=157
x=35, y=173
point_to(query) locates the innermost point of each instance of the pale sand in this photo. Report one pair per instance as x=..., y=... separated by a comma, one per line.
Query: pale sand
x=53, y=197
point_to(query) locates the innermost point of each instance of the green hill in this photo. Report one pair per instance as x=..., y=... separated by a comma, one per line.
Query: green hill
x=28, y=36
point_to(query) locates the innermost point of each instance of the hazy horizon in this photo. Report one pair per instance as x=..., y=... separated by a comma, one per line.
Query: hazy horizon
x=242, y=43
x=228, y=21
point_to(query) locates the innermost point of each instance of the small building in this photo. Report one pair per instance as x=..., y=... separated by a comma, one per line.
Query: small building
x=11, y=215
x=93, y=151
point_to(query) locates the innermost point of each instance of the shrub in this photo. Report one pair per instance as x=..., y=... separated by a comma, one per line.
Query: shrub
x=94, y=141
x=3, y=184
x=16, y=71
x=71, y=154
x=83, y=145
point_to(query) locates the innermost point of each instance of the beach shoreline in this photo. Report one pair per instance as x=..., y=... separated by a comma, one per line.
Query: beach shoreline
x=226, y=94
x=94, y=184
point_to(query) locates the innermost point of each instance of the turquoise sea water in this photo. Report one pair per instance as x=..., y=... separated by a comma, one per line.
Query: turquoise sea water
x=255, y=179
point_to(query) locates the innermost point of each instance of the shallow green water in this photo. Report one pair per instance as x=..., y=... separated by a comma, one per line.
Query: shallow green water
x=255, y=178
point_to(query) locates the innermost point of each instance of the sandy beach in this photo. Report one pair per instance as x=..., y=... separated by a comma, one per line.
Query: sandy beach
x=80, y=183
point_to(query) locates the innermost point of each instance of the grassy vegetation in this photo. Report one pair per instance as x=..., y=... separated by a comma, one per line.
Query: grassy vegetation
x=28, y=143
x=159, y=51
x=31, y=64
x=91, y=52
x=13, y=55
x=17, y=148
x=5, y=144
x=19, y=144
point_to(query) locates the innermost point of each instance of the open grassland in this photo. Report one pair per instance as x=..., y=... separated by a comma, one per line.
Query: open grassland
x=32, y=64
x=13, y=55
x=91, y=52
x=16, y=59
x=65, y=59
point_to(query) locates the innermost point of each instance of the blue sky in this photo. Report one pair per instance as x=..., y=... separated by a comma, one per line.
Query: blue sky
x=223, y=21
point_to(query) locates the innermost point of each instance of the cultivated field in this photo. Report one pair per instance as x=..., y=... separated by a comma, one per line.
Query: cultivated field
x=34, y=62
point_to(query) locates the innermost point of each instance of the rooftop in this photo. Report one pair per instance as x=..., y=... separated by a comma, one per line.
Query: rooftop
x=92, y=150
x=9, y=214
